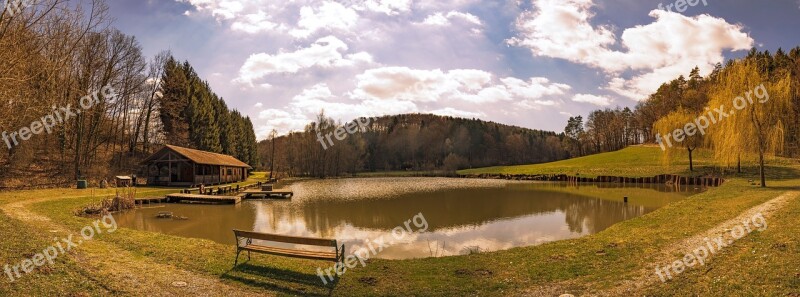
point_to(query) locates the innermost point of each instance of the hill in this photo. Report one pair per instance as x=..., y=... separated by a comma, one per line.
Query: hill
x=640, y=161
x=409, y=142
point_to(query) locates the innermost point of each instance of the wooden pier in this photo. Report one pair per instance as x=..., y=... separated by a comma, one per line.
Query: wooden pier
x=227, y=194
x=149, y=200
x=208, y=199
x=255, y=194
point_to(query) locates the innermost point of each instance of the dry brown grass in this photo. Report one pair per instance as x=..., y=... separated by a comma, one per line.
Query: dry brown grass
x=124, y=199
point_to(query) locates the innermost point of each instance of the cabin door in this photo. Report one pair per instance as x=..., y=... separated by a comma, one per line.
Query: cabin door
x=187, y=173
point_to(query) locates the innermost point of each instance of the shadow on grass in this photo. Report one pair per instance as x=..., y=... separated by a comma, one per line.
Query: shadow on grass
x=280, y=280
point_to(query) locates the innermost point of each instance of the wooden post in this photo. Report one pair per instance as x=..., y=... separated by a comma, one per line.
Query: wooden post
x=169, y=172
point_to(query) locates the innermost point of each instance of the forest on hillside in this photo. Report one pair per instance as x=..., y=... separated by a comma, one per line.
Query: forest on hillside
x=761, y=128
x=56, y=53
x=612, y=129
x=410, y=142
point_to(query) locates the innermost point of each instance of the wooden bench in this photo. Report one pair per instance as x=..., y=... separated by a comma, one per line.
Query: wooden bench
x=190, y=190
x=244, y=242
x=224, y=189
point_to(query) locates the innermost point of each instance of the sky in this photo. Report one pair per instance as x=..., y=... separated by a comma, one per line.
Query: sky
x=529, y=63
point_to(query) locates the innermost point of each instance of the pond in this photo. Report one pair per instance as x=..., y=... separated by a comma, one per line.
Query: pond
x=460, y=215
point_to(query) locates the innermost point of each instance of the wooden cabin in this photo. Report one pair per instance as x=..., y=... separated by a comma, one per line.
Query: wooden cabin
x=185, y=167
x=123, y=181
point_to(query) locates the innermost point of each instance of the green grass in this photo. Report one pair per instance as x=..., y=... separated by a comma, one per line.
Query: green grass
x=20, y=241
x=647, y=161
x=635, y=161
x=760, y=264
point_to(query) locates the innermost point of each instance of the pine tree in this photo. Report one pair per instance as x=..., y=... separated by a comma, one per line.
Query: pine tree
x=174, y=103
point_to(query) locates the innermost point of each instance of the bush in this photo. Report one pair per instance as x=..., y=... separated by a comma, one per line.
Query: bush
x=124, y=199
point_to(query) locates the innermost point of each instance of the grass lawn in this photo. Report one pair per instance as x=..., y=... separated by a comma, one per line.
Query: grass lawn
x=634, y=161
x=760, y=264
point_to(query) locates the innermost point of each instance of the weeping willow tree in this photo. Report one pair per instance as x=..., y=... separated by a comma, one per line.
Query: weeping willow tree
x=679, y=131
x=746, y=108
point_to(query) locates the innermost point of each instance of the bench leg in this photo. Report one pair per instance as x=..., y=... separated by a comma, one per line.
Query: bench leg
x=237, y=258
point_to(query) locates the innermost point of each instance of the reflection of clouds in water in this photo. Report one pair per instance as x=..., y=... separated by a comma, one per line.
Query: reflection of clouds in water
x=498, y=235
x=494, y=236
x=382, y=188
x=462, y=213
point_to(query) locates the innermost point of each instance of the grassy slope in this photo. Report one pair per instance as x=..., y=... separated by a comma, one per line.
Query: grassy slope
x=764, y=263
x=636, y=161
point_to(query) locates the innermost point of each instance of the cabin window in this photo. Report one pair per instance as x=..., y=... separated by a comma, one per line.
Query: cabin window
x=230, y=171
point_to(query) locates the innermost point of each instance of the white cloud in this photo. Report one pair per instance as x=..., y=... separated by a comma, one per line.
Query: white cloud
x=302, y=73
x=280, y=120
x=221, y=9
x=437, y=19
x=324, y=53
x=561, y=29
x=537, y=87
x=388, y=7
x=330, y=16
x=657, y=52
x=592, y=99
x=441, y=19
x=304, y=107
x=254, y=23
x=403, y=83
x=449, y=111
x=399, y=90
x=312, y=100
x=536, y=104
x=468, y=85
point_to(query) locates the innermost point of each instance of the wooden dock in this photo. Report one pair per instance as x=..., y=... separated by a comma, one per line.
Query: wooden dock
x=256, y=194
x=140, y=202
x=209, y=199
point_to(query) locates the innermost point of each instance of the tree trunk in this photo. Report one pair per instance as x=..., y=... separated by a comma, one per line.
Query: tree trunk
x=691, y=163
x=761, y=168
x=272, y=159
x=739, y=164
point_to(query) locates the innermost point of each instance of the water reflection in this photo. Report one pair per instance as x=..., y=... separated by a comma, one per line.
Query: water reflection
x=462, y=214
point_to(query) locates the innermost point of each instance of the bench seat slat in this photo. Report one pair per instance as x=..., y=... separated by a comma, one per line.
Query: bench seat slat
x=286, y=239
x=291, y=253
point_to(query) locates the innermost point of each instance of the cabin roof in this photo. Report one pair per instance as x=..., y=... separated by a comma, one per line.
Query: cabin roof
x=201, y=157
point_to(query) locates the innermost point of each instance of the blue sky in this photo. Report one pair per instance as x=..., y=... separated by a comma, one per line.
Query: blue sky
x=530, y=63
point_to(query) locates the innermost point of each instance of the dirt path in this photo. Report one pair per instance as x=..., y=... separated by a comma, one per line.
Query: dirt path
x=122, y=272
x=633, y=284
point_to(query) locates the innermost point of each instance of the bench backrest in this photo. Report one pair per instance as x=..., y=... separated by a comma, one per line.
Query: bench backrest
x=286, y=239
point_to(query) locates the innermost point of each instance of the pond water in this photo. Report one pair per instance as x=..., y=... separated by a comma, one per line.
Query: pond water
x=461, y=215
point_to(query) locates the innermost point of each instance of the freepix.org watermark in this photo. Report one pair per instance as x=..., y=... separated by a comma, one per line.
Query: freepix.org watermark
x=58, y=116
x=700, y=254
x=342, y=133
x=60, y=247
x=681, y=5
x=372, y=249
x=712, y=117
